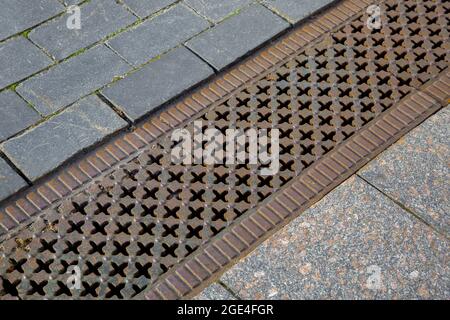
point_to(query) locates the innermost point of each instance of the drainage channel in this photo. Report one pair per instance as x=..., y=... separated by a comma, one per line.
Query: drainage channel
x=126, y=222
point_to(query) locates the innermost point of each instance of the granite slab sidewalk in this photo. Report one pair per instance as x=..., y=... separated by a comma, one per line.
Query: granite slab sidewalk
x=383, y=234
x=48, y=65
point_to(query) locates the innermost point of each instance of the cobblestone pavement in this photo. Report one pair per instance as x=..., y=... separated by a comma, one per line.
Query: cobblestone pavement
x=383, y=234
x=134, y=55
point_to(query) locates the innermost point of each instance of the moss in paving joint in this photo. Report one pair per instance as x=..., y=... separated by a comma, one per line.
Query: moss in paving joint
x=277, y=12
x=161, y=11
x=36, y=124
x=123, y=4
x=115, y=33
x=26, y=33
x=133, y=70
x=16, y=84
x=12, y=87
x=115, y=79
x=29, y=104
x=233, y=13
x=121, y=30
x=76, y=53
x=201, y=15
x=156, y=58
x=44, y=50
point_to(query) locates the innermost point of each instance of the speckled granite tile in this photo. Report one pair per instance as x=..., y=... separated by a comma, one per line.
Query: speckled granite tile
x=416, y=170
x=215, y=292
x=353, y=244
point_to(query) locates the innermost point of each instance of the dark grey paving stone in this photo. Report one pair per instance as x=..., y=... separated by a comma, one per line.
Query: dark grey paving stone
x=73, y=79
x=158, y=35
x=10, y=181
x=98, y=19
x=215, y=292
x=71, y=2
x=353, y=244
x=45, y=147
x=296, y=10
x=19, y=15
x=157, y=82
x=15, y=114
x=19, y=58
x=144, y=8
x=236, y=36
x=215, y=10
x=416, y=171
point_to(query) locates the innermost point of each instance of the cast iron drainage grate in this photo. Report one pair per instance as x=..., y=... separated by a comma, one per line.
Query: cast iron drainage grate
x=135, y=223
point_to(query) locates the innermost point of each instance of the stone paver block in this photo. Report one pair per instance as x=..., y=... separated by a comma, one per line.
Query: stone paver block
x=73, y=79
x=217, y=10
x=158, y=35
x=215, y=292
x=98, y=19
x=71, y=2
x=45, y=147
x=15, y=114
x=10, y=181
x=147, y=7
x=157, y=82
x=237, y=35
x=19, y=58
x=19, y=15
x=416, y=171
x=353, y=244
x=296, y=10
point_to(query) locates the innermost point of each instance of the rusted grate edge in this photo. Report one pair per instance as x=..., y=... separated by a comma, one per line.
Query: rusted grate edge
x=197, y=271
x=24, y=206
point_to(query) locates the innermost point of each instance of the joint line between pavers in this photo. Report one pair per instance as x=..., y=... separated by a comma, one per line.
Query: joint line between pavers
x=123, y=4
x=229, y=290
x=119, y=112
x=17, y=170
x=201, y=58
x=402, y=206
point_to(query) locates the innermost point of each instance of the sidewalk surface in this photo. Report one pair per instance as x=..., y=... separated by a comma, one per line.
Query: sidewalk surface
x=383, y=234
x=128, y=58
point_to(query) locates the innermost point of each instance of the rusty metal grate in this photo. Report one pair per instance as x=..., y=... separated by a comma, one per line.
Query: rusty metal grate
x=131, y=226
